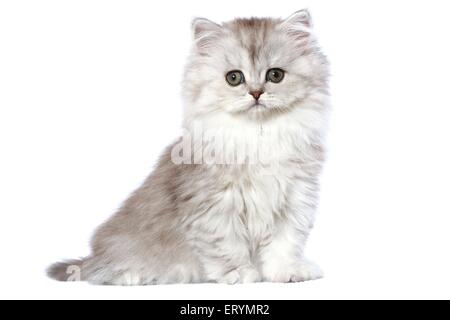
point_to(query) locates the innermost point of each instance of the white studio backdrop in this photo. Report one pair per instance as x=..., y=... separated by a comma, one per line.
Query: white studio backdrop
x=90, y=95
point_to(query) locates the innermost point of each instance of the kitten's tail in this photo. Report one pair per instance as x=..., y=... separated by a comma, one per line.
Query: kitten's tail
x=69, y=270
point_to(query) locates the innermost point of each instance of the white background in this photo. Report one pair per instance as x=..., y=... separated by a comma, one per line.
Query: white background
x=89, y=96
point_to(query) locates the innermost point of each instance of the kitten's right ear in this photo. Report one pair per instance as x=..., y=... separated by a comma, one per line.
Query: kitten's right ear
x=205, y=33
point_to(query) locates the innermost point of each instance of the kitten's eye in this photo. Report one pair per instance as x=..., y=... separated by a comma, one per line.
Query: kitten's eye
x=235, y=78
x=275, y=75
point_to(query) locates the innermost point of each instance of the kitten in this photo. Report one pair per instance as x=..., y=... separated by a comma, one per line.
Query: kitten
x=233, y=200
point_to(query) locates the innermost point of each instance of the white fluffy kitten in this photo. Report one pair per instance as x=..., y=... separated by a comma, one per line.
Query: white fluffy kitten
x=233, y=200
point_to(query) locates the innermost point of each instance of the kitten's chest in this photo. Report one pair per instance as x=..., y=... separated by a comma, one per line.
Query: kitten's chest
x=261, y=178
x=263, y=194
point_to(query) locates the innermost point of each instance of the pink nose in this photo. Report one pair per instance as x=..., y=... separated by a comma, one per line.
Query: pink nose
x=256, y=94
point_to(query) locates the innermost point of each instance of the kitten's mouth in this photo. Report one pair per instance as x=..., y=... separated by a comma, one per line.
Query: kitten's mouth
x=258, y=105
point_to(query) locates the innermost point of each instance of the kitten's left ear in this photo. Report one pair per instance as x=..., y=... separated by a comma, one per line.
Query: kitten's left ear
x=299, y=24
x=205, y=33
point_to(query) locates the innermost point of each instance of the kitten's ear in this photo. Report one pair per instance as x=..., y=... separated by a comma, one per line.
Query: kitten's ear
x=299, y=24
x=205, y=33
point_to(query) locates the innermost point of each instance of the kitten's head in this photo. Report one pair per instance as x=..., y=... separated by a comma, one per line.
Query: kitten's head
x=253, y=68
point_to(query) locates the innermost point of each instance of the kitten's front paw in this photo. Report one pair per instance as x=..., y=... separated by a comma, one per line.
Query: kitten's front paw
x=247, y=274
x=306, y=271
x=231, y=277
x=299, y=272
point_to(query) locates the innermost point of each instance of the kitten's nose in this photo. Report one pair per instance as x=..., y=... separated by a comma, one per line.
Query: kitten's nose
x=256, y=94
